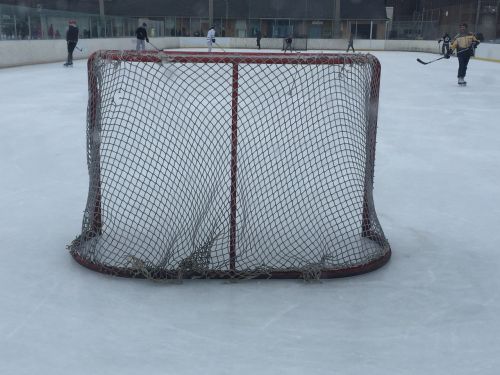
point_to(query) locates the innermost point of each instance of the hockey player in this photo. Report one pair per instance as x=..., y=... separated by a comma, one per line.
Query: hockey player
x=71, y=40
x=142, y=35
x=211, y=38
x=446, y=39
x=351, y=44
x=288, y=43
x=464, y=43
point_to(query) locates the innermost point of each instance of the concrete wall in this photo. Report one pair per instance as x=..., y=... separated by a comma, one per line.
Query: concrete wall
x=25, y=52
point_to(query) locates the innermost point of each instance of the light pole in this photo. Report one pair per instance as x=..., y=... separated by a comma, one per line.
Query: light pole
x=478, y=12
x=336, y=26
x=497, y=9
x=103, y=21
x=227, y=15
x=101, y=8
x=210, y=13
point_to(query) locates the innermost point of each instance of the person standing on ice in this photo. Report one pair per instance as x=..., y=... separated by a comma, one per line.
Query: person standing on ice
x=464, y=43
x=142, y=35
x=211, y=38
x=350, y=44
x=446, y=39
x=71, y=40
x=288, y=43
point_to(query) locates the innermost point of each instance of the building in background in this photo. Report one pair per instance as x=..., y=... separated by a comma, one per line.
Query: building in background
x=366, y=19
x=429, y=19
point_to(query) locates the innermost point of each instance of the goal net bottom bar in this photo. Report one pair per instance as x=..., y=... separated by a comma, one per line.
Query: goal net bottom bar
x=135, y=268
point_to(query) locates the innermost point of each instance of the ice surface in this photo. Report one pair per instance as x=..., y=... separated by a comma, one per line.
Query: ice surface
x=434, y=309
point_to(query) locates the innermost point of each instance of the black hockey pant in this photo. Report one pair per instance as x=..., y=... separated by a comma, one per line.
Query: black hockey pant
x=463, y=61
x=71, y=48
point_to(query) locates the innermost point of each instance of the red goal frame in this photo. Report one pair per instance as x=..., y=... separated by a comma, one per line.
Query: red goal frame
x=235, y=59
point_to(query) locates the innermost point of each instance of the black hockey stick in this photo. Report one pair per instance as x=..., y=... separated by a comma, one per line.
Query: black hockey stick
x=428, y=62
x=156, y=48
x=79, y=49
x=440, y=58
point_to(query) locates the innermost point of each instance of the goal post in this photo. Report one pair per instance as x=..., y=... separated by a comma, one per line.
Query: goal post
x=223, y=165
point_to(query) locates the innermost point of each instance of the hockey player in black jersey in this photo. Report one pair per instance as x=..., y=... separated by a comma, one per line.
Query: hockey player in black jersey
x=446, y=39
x=142, y=35
x=71, y=40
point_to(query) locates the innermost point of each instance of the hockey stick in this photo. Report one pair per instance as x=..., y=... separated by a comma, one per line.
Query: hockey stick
x=223, y=50
x=79, y=49
x=156, y=48
x=440, y=58
x=428, y=62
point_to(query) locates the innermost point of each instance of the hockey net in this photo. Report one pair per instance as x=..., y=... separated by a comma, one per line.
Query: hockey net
x=231, y=165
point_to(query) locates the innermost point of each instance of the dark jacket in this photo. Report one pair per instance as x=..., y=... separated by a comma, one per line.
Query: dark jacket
x=446, y=39
x=72, y=34
x=141, y=33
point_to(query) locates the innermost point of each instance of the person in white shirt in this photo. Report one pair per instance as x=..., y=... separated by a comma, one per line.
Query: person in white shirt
x=210, y=38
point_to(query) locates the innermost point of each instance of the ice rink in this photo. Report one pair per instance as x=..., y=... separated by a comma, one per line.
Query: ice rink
x=433, y=309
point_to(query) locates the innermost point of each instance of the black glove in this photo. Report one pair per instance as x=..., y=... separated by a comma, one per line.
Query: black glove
x=475, y=43
x=213, y=40
x=147, y=40
x=448, y=54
